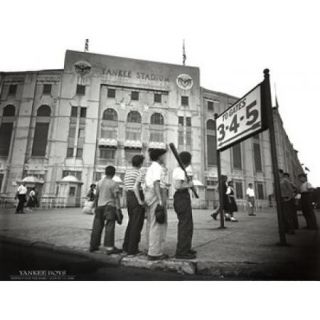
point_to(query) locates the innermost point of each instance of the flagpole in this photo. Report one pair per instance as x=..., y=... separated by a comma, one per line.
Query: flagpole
x=184, y=56
x=86, y=45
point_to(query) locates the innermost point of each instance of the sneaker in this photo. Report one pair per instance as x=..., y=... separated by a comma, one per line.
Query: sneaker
x=233, y=219
x=155, y=258
x=136, y=254
x=188, y=256
x=114, y=251
x=192, y=251
x=93, y=249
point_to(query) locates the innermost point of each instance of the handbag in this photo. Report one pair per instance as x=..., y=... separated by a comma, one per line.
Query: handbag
x=160, y=214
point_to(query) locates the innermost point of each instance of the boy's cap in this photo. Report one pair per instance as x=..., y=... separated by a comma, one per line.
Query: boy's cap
x=155, y=154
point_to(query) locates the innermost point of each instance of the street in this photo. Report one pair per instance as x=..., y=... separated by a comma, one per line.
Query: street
x=245, y=250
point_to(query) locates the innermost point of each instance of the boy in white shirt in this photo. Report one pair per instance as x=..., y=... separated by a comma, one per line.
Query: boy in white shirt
x=156, y=232
x=251, y=199
x=22, y=197
x=183, y=208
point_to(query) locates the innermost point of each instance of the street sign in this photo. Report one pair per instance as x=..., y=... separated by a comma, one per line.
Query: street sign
x=241, y=120
x=248, y=116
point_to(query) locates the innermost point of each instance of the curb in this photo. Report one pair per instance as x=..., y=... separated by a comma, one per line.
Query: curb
x=216, y=269
x=99, y=256
x=183, y=267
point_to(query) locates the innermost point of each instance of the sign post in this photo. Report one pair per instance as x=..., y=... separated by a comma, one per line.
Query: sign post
x=221, y=205
x=249, y=116
x=267, y=104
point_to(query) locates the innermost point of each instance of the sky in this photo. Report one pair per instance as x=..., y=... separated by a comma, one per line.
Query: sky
x=231, y=41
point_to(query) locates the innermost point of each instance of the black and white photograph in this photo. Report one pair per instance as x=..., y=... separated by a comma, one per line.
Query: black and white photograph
x=159, y=141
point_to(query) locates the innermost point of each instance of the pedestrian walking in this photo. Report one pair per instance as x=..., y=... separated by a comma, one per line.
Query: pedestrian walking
x=293, y=202
x=287, y=202
x=107, y=212
x=223, y=185
x=251, y=200
x=21, y=195
x=183, y=208
x=88, y=207
x=91, y=195
x=32, y=199
x=135, y=206
x=306, y=190
x=231, y=205
x=156, y=232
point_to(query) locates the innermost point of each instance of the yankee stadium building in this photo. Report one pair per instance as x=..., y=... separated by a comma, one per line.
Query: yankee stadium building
x=59, y=129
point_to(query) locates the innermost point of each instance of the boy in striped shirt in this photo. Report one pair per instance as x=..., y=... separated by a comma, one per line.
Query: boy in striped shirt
x=135, y=206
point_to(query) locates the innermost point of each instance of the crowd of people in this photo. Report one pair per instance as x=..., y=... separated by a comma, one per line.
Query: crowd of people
x=293, y=198
x=146, y=198
x=296, y=197
x=229, y=204
x=26, y=199
x=147, y=193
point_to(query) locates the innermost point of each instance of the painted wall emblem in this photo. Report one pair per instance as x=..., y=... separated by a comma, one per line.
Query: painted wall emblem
x=184, y=81
x=82, y=67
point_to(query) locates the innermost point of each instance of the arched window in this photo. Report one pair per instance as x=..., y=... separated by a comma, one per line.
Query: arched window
x=236, y=156
x=134, y=117
x=40, y=138
x=157, y=118
x=44, y=111
x=257, y=153
x=9, y=111
x=110, y=114
x=211, y=125
x=133, y=127
x=6, y=129
x=211, y=143
x=156, y=129
x=109, y=124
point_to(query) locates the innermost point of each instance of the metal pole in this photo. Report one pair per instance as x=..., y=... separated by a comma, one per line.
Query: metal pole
x=221, y=204
x=269, y=115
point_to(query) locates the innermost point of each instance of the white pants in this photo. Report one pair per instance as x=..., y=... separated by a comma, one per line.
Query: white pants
x=156, y=232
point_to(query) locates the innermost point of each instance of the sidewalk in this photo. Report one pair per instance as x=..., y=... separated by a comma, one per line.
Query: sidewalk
x=247, y=248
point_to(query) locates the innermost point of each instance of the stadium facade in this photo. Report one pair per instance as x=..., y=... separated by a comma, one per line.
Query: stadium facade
x=59, y=129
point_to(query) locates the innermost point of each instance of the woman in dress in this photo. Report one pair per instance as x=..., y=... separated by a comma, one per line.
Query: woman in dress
x=32, y=200
x=230, y=205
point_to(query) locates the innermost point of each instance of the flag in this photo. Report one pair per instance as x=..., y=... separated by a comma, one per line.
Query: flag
x=86, y=46
x=277, y=104
x=184, y=56
x=276, y=97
